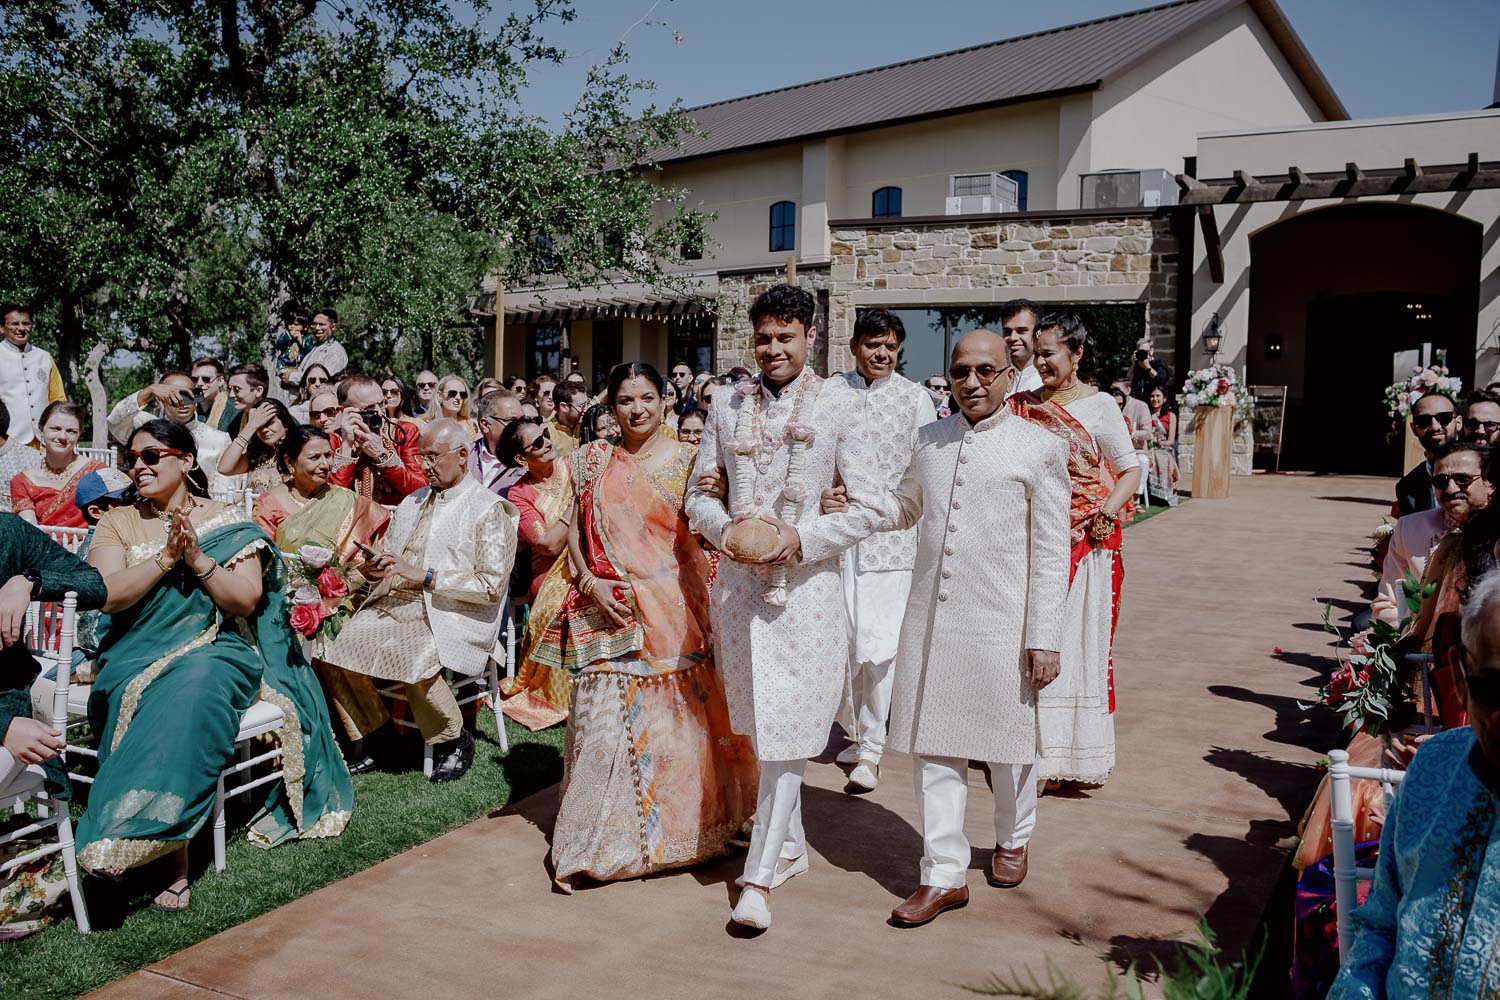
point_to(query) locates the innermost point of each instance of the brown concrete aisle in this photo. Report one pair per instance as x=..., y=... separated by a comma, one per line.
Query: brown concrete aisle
x=1215, y=767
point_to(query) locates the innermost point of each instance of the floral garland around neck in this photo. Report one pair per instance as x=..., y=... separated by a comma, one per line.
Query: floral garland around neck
x=757, y=451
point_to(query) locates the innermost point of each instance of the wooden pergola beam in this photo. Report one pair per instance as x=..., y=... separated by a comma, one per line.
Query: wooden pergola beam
x=1213, y=245
x=1352, y=182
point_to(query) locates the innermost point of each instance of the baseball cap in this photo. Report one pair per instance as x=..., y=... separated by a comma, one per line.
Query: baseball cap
x=101, y=484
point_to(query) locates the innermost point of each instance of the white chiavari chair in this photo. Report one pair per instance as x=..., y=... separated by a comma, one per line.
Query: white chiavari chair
x=108, y=457
x=27, y=786
x=1346, y=874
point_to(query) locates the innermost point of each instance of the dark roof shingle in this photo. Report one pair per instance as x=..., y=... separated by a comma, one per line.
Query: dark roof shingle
x=1062, y=60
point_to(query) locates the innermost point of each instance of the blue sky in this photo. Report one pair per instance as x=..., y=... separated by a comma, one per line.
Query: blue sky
x=1383, y=57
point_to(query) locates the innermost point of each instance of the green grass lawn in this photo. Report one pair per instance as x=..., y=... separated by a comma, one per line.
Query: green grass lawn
x=1146, y=513
x=392, y=813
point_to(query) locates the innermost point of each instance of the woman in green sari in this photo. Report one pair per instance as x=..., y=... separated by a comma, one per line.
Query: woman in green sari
x=197, y=631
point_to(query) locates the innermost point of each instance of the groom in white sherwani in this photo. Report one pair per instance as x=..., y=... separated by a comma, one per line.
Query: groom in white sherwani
x=778, y=613
x=983, y=625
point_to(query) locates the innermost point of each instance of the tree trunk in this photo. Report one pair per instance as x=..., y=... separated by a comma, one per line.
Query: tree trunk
x=98, y=404
x=70, y=341
x=277, y=301
x=426, y=336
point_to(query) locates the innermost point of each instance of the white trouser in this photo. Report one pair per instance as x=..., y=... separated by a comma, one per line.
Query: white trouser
x=876, y=603
x=777, y=831
x=942, y=795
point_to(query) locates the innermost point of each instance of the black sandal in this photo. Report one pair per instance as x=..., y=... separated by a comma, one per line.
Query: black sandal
x=178, y=893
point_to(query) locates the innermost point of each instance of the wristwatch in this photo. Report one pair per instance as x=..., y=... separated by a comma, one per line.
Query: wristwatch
x=34, y=577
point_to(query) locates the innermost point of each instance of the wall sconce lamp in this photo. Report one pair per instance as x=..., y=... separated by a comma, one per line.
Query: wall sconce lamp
x=1213, y=338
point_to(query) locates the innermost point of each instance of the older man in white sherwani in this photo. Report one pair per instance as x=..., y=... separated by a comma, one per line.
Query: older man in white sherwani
x=983, y=625
x=780, y=636
x=436, y=607
x=877, y=571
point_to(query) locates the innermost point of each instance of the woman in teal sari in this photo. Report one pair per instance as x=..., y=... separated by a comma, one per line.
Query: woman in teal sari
x=197, y=631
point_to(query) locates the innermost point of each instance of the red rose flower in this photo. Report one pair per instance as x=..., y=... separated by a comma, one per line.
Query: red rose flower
x=306, y=619
x=331, y=585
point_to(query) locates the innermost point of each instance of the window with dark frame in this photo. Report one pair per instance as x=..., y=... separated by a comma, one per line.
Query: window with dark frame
x=784, y=226
x=886, y=203
x=1019, y=176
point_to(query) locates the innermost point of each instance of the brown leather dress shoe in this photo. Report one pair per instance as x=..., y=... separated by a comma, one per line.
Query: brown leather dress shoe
x=1008, y=870
x=923, y=906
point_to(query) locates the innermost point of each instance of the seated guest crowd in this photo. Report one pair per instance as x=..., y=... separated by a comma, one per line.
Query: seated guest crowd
x=238, y=527
x=1436, y=592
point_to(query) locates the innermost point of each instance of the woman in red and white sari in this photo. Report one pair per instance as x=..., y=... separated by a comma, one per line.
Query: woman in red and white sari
x=1075, y=713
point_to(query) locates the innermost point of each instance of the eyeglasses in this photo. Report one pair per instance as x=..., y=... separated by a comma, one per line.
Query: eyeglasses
x=327, y=414
x=205, y=379
x=1422, y=421
x=151, y=456
x=455, y=394
x=1460, y=479
x=938, y=386
x=985, y=373
x=429, y=461
x=539, y=443
x=1488, y=426
x=682, y=374
x=392, y=392
x=1483, y=689
x=316, y=380
x=426, y=385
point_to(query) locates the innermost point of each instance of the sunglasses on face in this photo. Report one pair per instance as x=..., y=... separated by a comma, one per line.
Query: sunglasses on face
x=539, y=443
x=1460, y=479
x=426, y=385
x=938, y=386
x=1422, y=421
x=205, y=379
x=392, y=392
x=327, y=414
x=455, y=394
x=1484, y=689
x=985, y=373
x=316, y=380
x=151, y=456
x=1487, y=426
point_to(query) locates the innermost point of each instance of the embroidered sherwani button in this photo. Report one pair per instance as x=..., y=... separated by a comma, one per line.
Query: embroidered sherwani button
x=947, y=574
x=947, y=550
x=969, y=438
x=942, y=595
x=963, y=459
x=952, y=527
x=958, y=481
x=956, y=505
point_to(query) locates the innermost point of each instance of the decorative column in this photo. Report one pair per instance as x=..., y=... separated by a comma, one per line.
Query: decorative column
x=1213, y=439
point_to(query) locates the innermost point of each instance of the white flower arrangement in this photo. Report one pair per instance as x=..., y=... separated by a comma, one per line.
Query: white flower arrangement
x=1401, y=396
x=1216, y=385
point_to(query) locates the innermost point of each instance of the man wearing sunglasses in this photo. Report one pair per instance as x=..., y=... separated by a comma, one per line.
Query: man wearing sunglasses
x=175, y=399
x=1462, y=491
x=1481, y=417
x=424, y=395
x=495, y=411
x=384, y=463
x=208, y=383
x=1429, y=924
x=248, y=385
x=442, y=575
x=1435, y=421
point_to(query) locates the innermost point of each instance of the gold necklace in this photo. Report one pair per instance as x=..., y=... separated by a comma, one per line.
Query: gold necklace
x=1063, y=395
x=58, y=475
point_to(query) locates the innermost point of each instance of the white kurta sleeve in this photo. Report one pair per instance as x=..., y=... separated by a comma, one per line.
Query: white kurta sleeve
x=831, y=534
x=1047, y=583
x=707, y=515
x=1389, y=597
x=121, y=419
x=1113, y=436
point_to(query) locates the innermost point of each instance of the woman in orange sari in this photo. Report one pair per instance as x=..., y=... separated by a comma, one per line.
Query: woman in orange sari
x=654, y=776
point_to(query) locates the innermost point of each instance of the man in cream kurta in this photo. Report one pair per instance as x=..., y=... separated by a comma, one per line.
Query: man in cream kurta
x=783, y=666
x=877, y=570
x=983, y=624
x=436, y=606
x=29, y=379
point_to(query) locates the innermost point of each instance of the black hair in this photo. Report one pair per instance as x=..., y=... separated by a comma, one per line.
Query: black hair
x=783, y=302
x=253, y=373
x=4, y=420
x=405, y=408
x=874, y=322
x=1015, y=307
x=509, y=450
x=693, y=412
x=213, y=363
x=1431, y=395
x=636, y=369
x=15, y=307
x=586, y=434
x=1459, y=447
x=1069, y=329
x=333, y=317
x=1476, y=396
x=298, y=314
x=177, y=436
x=302, y=385
x=257, y=452
x=290, y=446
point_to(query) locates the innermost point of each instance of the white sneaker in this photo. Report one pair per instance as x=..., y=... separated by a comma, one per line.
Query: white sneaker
x=865, y=776
x=753, y=910
x=849, y=755
x=781, y=876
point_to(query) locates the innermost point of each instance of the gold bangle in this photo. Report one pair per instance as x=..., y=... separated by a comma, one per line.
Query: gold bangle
x=165, y=569
x=203, y=577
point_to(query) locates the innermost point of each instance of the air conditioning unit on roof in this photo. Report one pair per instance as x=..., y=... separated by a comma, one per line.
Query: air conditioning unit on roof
x=979, y=194
x=1128, y=189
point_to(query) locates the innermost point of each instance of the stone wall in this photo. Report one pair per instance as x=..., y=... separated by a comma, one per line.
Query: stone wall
x=1118, y=259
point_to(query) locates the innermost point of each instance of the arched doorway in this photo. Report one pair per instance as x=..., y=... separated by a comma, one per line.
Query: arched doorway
x=1341, y=299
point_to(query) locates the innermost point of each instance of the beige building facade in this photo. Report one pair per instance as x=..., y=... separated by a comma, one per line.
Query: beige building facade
x=852, y=178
